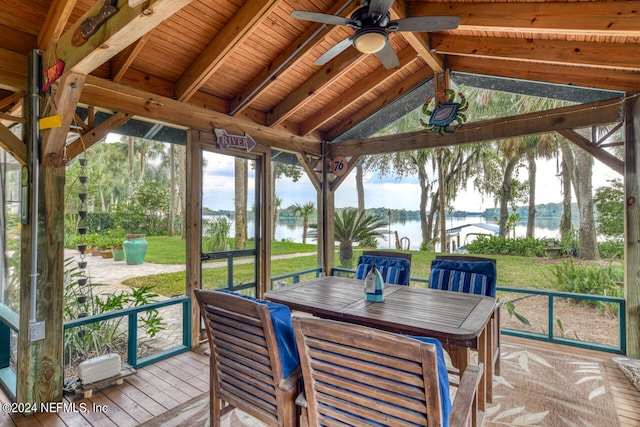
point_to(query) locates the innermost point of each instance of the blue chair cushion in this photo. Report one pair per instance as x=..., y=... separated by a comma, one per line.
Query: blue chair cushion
x=283, y=329
x=394, y=270
x=476, y=277
x=443, y=378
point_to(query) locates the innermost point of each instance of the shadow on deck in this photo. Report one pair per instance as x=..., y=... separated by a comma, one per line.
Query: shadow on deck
x=157, y=394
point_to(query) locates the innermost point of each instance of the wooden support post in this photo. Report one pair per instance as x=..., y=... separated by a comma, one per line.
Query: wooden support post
x=265, y=170
x=194, y=228
x=632, y=224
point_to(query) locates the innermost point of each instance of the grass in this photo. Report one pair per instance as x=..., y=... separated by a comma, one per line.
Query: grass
x=513, y=271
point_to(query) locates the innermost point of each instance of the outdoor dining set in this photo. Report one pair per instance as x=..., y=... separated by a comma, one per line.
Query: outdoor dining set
x=318, y=353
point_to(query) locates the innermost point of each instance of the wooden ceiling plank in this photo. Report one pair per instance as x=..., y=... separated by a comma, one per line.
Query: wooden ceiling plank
x=66, y=97
x=591, y=18
x=243, y=23
x=13, y=71
x=121, y=62
x=323, y=78
x=617, y=80
x=118, y=97
x=288, y=58
x=97, y=134
x=54, y=23
x=395, y=93
x=356, y=92
x=122, y=29
x=13, y=145
x=619, y=55
x=604, y=156
x=573, y=117
x=419, y=41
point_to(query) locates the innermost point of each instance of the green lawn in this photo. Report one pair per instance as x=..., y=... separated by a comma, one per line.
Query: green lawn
x=513, y=271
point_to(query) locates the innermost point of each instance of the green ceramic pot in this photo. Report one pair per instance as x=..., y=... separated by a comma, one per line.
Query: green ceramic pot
x=135, y=249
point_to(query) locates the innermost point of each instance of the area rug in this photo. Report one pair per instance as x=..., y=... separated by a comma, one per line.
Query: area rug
x=540, y=388
x=536, y=388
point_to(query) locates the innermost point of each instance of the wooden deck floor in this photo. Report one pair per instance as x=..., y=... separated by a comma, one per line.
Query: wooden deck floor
x=158, y=388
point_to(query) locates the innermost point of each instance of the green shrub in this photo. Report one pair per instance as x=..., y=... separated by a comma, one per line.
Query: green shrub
x=496, y=245
x=574, y=277
x=611, y=249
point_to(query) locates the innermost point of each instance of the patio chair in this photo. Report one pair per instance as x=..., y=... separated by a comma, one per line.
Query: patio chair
x=470, y=274
x=395, y=267
x=359, y=376
x=254, y=363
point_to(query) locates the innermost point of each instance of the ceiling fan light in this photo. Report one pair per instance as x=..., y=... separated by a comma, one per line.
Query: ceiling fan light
x=370, y=42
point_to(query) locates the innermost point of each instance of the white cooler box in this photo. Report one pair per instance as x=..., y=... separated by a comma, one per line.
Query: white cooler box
x=100, y=368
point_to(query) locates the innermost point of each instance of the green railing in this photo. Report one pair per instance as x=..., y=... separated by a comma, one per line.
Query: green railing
x=282, y=279
x=132, y=330
x=550, y=335
x=551, y=296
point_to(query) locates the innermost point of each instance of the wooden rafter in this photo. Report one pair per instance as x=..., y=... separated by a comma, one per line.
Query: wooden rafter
x=624, y=55
x=122, y=61
x=53, y=27
x=587, y=18
x=289, y=58
x=418, y=41
x=236, y=31
x=309, y=164
x=302, y=95
x=387, y=98
x=122, y=29
x=356, y=92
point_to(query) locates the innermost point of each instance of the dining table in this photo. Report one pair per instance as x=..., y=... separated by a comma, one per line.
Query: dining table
x=461, y=322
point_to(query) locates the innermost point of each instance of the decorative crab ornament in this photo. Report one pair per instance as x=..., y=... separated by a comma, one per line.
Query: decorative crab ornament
x=443, y=114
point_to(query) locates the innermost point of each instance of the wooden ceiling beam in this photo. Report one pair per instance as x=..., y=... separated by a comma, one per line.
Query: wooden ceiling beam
x=604, y=156
x=122, y=29
x=97, y=134
x=604, y=18
x=621, y=55
x=419, y=41
x=289, y=58
x=323, y=78
x=573, y=117
x=54, y=23
x=617, y=80
x=237, y=30
x=381, y=101
x=13, y=71
x=356, y=92
x=15, y=97
x=13, y=145
x=118, y=97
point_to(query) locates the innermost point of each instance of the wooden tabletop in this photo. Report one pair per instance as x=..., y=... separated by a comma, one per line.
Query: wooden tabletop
x=452, y=317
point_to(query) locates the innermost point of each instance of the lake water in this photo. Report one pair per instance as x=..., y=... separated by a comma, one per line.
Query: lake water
x=545, y=228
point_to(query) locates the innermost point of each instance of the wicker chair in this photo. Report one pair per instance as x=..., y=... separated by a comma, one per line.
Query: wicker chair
x=249, y=366
x=359, y=376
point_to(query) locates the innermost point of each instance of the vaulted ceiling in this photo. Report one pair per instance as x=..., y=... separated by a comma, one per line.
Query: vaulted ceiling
x=248, y=66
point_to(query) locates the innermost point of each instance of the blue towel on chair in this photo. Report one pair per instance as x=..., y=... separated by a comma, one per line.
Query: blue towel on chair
x=283, y=328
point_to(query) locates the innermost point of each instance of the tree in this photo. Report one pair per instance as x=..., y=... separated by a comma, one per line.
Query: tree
x=305, y=212
x=353, y=227
x=609, y=203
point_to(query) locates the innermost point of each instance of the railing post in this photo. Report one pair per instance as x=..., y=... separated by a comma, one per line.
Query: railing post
x=550, y=313
x=186, y=323
x=132, y=342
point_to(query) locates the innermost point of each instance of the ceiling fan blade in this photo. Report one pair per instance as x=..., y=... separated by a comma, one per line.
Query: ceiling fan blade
x=425, y=23
x=333, y=52
x=388, y=57
x=322, y=18
x=378, y=8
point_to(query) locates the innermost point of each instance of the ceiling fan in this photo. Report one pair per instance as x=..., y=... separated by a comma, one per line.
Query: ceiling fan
x=372, y=24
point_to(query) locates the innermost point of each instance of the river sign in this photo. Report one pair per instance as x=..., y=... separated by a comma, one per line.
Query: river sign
x=224, y=140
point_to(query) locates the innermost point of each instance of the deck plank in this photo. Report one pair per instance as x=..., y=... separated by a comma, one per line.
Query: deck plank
x=158, y=388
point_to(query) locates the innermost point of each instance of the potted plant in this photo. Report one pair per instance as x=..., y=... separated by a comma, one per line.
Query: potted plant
x=110, y=241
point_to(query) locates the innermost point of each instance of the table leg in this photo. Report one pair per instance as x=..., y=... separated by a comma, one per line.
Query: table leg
x=483, y=352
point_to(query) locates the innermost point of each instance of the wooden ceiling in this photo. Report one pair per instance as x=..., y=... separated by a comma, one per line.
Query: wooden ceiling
x=247, y=66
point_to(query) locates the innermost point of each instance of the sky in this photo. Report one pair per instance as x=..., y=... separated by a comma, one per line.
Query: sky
x=218, y=188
